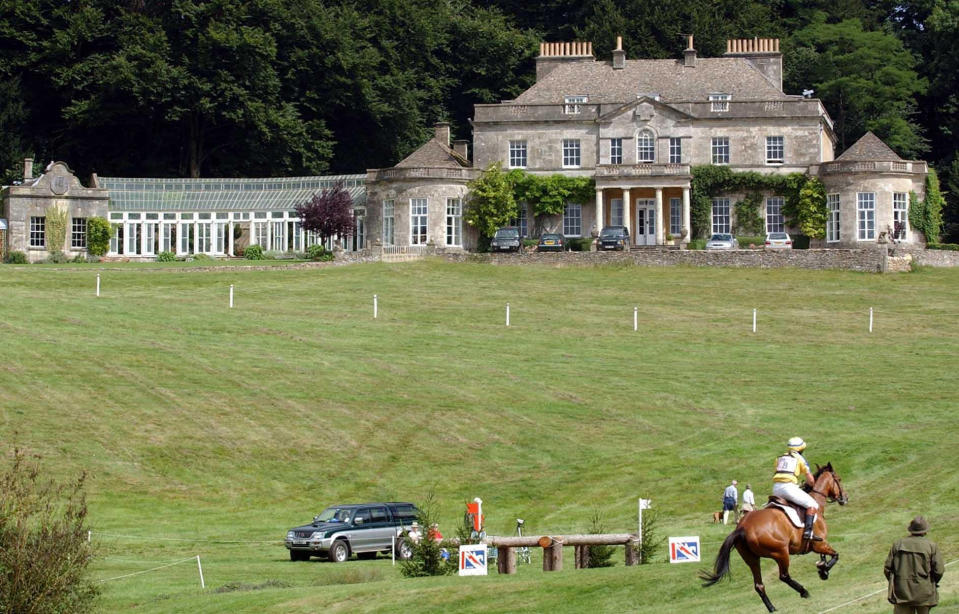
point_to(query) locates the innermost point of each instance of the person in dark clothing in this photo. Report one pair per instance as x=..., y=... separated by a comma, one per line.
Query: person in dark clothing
x=914, y=568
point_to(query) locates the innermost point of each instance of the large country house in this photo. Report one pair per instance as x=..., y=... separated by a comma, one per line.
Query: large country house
x=636, y=127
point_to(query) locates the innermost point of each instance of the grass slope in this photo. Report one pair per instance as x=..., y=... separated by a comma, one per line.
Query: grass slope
x=211, y=431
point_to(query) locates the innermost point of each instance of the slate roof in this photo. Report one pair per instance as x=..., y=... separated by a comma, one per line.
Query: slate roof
x=433, y=154
x=869, y=149
x=673, y=81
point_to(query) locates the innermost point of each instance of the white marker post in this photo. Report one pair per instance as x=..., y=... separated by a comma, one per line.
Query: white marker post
x=644, y=504
x=89, y=535
x=231, y=299
x=635, y=319
x=507, y=314
x=200, y=567
x=98, y=284
x=375, y=306
x=754, y=320
x=870, y=319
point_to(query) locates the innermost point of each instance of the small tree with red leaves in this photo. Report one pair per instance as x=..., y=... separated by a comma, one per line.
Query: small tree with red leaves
x=329, y=213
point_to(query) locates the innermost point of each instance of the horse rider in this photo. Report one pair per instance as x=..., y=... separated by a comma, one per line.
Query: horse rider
x=789, y=468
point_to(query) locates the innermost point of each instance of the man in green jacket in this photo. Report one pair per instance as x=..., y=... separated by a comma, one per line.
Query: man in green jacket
x=913, y=568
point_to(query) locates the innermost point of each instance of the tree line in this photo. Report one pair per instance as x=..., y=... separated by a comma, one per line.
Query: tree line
x=188, y=88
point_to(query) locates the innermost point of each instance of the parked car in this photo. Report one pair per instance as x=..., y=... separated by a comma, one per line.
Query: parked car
x=551, y=242
x=722, y=241
x=614, y=237
x=362, y=529
x=506, y=239
x=778, y=240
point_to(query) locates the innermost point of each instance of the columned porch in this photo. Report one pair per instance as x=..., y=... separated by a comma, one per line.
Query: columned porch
x=651, y=200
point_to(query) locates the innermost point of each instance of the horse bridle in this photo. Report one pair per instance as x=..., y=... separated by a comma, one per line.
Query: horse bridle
x=841, y=499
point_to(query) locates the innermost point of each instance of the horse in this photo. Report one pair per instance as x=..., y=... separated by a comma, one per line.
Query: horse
x=768, y=533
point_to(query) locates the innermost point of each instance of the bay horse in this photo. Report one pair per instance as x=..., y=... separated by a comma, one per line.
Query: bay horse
x=768, y=533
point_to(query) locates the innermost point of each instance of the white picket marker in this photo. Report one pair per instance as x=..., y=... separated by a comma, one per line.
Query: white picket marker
x=507, y=314
x=375, y=306
x=635, y=319
x=754, y=320
x=231, y=296
x=200, y=567
x=98, y=284
x=870, y=319
x=89, y=535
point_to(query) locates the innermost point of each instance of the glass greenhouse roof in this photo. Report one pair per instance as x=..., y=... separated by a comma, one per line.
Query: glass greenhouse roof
x=281, y=194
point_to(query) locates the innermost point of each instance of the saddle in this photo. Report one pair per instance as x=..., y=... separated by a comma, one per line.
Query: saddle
x=795, y=513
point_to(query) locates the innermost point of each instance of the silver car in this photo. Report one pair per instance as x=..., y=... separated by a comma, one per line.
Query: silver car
x=778, y=240
x=722, y=241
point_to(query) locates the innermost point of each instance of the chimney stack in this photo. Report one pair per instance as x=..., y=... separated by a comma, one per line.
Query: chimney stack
x=763, y=53
x=28, y=169
x=462, y=148
x=619, y=56
x=690, y=54
x=442, y=132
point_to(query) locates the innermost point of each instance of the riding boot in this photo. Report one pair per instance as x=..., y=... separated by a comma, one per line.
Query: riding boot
x=807, y=533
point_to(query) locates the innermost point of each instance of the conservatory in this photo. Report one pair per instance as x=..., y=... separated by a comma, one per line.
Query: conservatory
x=220, y=217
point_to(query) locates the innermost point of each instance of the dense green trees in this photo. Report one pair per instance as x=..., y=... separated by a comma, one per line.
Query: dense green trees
x=281, y=87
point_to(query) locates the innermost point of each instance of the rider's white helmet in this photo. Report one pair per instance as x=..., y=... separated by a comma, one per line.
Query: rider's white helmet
x=796, y=443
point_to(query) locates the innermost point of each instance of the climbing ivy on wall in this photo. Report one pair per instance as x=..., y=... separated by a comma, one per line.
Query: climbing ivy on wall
x=805, y=199
x=548, y=195
x=925, y=215
x=56, y=227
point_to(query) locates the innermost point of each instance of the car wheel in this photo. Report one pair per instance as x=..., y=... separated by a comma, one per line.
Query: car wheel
x=403, y=550
x=366, y=556
x=339, y=552
x=298, y=555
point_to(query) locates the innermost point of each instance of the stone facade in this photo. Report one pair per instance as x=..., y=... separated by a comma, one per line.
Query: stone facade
x=26, y=208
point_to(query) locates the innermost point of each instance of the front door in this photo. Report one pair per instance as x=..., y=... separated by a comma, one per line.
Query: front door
x=645, y=222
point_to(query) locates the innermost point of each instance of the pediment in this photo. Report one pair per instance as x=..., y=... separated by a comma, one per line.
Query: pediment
x=644, y=109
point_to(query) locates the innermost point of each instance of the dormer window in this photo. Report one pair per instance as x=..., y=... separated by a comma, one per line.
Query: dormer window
x=572, y=104
x=719, y=103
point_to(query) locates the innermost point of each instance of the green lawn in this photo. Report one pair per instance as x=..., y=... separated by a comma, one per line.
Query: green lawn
x=209, y=431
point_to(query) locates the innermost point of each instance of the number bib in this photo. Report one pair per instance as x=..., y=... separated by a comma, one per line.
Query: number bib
x=786, y=464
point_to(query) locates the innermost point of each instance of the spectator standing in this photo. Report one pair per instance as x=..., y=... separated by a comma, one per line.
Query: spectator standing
x=730, y=499
x=749, y=500
x=914, y=568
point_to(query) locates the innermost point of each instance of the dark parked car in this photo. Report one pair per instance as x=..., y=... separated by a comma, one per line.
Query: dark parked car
x=614, y=237
x=551, y=242
x=506, y=240
x=342, y=530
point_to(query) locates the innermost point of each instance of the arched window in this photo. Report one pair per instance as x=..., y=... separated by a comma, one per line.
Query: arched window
x=645, y=147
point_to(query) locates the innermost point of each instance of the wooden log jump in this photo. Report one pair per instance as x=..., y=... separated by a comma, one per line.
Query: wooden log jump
x=552, y=546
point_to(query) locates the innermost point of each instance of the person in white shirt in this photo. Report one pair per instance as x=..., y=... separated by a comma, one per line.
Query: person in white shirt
x=749, y=500
x=730, y=499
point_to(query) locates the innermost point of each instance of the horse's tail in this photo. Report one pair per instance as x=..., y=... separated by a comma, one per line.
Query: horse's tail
x=721, y=567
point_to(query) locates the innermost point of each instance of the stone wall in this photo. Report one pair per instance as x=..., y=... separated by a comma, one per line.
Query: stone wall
x=867, y=260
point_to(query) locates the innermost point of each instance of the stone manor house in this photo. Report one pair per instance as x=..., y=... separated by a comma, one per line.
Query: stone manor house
x=636, y=127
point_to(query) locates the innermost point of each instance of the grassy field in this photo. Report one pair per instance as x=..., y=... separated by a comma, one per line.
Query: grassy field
x=209, y=431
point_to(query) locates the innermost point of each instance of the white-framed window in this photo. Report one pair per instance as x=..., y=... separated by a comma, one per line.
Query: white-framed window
x=78, y=232
x=719, y=103
x=720, y=150
x=775, y=149
x=573, y=220
x=832, y=218
x=389, y=222
x=517, y=154
x=616, y=212
x=900, y=215
x=419, y=212
x=454, y=221
x=775, y=221
x=866, y=215
x=721, y=215
x=675, y=216
x=645, y=147
x=675, y=150
x=571, y=104
x=38, y=231
x=521, y=222
x=571, y=153
x=615, y=151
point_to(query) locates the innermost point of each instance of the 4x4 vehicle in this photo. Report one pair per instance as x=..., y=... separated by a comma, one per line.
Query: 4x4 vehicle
x=506, y=240
x=342, y=530
x=614, y=237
